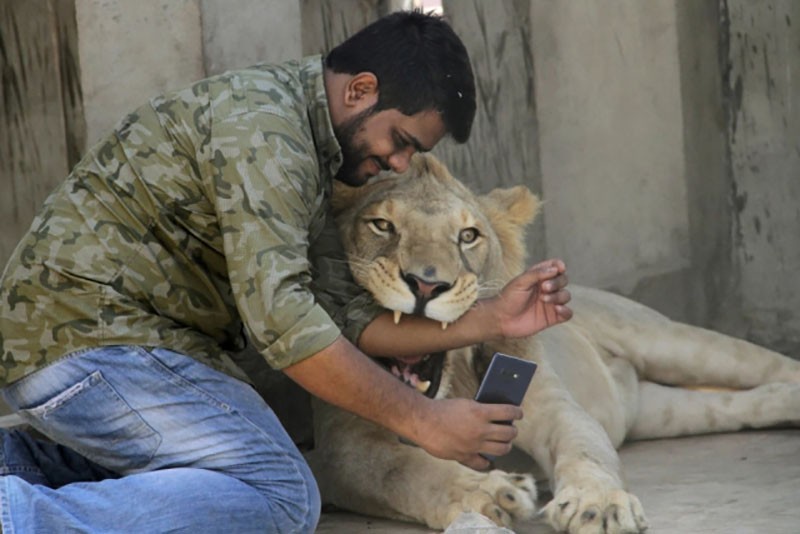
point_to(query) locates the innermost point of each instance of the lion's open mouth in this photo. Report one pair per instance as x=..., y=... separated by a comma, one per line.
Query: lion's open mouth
x=424, y=374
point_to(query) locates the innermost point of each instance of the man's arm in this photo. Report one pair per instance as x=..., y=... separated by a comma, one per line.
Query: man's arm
x=457, y=429
x=531, y=302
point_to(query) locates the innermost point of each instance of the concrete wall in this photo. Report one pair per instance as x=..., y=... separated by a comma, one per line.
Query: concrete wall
x=763, y=83
x=40, y=112
x=707, y=286
x=130, y=51
x=611, y=140
x=239, y=33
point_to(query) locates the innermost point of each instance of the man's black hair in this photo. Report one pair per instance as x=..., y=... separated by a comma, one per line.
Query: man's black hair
x=420, y=63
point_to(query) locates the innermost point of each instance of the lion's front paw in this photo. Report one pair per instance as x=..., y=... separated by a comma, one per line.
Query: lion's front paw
x=500, y=496
x=591, y=509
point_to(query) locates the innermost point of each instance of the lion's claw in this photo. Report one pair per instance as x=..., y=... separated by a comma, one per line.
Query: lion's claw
x=590, y=511
x=502, y=497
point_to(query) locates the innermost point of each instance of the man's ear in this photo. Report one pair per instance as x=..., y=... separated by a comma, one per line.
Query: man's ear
x=361, y=91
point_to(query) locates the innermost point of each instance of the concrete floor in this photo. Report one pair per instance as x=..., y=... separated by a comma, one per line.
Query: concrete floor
x=744, y=483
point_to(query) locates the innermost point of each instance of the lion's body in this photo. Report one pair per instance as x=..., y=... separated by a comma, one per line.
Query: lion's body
x=602, y=379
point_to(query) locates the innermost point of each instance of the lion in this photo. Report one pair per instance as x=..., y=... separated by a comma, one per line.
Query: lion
x=616, y=371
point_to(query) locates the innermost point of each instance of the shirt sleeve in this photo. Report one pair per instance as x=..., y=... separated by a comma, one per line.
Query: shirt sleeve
x=351, y=306
x=265, y=186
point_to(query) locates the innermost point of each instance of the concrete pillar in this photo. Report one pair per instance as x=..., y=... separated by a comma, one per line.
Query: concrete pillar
x=40, y=102
x=608, y=99
x=131, y=51
x=240, y=33
x=706, y=154
x=763, y=87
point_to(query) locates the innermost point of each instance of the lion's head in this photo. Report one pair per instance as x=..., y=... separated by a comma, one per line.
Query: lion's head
x=423, y=244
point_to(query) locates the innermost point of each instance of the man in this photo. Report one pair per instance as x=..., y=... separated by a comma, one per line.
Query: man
x=195, y=220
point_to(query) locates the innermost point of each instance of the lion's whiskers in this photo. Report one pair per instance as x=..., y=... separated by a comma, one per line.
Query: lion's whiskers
x=490, y=287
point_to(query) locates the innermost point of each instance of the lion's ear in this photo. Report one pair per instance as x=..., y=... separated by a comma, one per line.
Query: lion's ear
x=425, y=163
x=344, y=196
x=509, y=210
x=518, y=205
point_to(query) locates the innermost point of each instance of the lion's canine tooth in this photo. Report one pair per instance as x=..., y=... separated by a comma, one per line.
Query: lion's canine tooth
x=397, y=315
x=423, y=387
x=444, y=325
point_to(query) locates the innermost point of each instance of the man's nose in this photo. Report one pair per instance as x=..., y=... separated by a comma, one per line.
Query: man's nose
x=399, y=160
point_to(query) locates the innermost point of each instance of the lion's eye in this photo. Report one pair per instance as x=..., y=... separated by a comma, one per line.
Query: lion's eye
x=382, y=225
x=468, y=235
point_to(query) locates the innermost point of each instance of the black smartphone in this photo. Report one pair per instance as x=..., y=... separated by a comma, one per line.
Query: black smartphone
x=506, y=380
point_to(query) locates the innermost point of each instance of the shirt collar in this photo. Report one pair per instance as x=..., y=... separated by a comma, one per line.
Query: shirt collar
x=329, y=153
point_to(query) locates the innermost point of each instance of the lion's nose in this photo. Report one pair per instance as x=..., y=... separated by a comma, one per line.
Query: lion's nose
x=427, y=290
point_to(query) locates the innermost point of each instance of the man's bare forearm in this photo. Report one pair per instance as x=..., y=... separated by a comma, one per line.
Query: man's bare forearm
x=341, y=375
x=418, y=335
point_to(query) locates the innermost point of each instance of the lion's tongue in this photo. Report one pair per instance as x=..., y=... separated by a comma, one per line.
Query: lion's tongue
x=406, y=375
x=404, y=371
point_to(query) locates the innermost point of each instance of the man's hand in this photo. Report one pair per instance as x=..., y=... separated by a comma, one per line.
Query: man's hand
x=462, y=430
x=531, y=302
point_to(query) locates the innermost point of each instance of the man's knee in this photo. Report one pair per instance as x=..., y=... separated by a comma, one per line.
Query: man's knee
x=298, y=502
x=289, y=506
x=313, y=509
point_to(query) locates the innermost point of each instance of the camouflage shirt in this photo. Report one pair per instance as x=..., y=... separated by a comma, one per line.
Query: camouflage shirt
x=203, y=216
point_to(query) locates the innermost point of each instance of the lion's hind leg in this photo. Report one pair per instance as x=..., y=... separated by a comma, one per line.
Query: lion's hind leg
x=674, y=353
x=666, y=411
x=680, y=354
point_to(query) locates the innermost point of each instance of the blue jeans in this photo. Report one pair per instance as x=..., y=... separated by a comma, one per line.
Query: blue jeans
x=149, y=441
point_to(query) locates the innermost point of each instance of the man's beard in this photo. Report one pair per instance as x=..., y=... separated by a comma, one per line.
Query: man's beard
x=352, y=155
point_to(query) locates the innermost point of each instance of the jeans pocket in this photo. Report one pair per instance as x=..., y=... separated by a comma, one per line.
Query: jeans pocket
x=91, y=418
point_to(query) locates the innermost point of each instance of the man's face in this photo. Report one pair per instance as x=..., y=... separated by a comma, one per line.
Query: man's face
x=375, y=141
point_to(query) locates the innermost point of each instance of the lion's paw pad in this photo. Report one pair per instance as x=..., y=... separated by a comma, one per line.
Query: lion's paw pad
x=588, y=511
x=500, y=496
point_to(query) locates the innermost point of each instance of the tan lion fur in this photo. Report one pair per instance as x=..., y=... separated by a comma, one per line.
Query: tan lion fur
x=616, y=371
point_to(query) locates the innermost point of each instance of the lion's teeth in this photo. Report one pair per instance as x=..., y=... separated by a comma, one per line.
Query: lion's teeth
x=444, y=325
x=423, y=387
x=397, y=315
